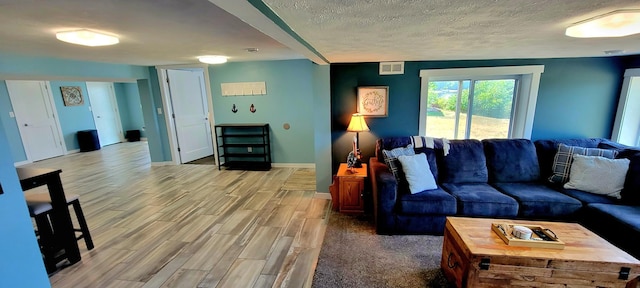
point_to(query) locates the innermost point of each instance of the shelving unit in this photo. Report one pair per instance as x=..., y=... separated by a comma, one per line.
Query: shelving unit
x=244, y=146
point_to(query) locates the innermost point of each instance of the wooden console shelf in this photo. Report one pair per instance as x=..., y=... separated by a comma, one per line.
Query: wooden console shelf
x=244, y=146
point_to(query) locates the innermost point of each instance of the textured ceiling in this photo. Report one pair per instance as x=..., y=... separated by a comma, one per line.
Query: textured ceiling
x=387, y=30
x=158, y=32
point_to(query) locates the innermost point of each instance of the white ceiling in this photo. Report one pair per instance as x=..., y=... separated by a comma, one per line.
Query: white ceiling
x=158, y=32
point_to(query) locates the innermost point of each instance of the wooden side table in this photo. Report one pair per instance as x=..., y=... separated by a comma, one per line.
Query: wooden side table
x=348, y=188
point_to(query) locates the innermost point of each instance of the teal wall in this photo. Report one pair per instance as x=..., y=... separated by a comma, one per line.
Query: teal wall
x=43, y=68
x=577, y=98
x=289, y=99
x=16, y=67
x=151, y=121
x=21, y=264
x=10, y=125
x=156, y=102
x=130, y=107
x=72, y=118
x=322, y=126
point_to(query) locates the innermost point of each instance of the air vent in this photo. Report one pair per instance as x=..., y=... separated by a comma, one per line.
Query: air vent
x=391, y=68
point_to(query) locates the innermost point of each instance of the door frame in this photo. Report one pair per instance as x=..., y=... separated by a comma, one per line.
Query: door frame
x=168, y=110
x=114, y=101
x=52, y=103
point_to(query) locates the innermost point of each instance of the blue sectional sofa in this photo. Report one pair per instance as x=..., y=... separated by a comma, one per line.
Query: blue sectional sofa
x=502, y=178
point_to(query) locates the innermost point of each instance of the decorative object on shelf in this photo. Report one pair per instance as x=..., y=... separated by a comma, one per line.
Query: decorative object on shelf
x=234, y=109
x=352, y=160
x=357, y=124
x=71, y=95
x=373, y=101
x=252, y=109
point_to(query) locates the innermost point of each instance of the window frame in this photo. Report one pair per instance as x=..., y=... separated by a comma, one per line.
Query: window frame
x=625, y=128
x=524, y=103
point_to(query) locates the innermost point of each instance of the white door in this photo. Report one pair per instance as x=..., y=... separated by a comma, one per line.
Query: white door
x=105, y=112
x=36, y=116
x=190, y=113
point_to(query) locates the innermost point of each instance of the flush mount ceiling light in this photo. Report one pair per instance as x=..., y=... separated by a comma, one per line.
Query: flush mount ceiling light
x=87, y=38
x=614, y=24
x=213, y=59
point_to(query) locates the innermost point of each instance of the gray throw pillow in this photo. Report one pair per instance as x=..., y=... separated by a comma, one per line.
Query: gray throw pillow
x=598, y=175
x=564, y=157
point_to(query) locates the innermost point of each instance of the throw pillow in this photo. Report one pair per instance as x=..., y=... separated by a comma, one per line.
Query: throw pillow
x=417, y=172
x=598, y=175
x=391, y=159
x=562, y=161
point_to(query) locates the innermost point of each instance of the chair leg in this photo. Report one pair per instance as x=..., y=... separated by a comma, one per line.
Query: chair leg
x=83, y=224
x=47, y=242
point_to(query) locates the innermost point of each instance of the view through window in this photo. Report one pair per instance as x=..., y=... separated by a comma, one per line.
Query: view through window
x=489, y=102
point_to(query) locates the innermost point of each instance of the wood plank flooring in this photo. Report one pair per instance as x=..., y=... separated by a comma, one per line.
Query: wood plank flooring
x=190, y=225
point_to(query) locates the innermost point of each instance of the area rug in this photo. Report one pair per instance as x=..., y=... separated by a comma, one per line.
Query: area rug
x=353, y=255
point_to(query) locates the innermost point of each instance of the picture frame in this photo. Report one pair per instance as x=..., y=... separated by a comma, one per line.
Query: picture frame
x=373, y=101
x=72, y=95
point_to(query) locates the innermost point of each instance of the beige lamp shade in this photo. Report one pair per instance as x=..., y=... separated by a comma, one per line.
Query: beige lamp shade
x=357, y=124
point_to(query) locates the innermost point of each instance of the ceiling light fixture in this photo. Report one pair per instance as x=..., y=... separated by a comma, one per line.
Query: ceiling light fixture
x=87, y=38
x=618, y=23
x=213, y=59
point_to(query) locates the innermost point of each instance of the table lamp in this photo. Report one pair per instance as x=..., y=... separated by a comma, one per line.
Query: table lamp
x=357, y=124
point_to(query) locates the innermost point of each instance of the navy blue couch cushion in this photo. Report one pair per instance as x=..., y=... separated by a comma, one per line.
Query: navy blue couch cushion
x=626, y=214
x=619, y=224
x=539, y=201
x=586, y=197
x=631, y=191
x=546, y=150
x=480, y=199
x=428, y=202
x=511, y=160
x=465, y=163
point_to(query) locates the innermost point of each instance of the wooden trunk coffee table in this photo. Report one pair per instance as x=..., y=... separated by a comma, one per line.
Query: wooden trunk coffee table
x=474, y=256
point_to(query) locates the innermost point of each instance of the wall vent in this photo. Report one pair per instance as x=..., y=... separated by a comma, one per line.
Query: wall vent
x=391, y=68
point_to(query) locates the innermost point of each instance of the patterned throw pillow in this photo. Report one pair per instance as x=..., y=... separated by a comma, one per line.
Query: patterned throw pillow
x=391, y=159
x=564, y=157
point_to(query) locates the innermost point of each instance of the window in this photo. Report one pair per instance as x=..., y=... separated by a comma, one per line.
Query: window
x=626, y=129
x=479, y=103
x=489, y=102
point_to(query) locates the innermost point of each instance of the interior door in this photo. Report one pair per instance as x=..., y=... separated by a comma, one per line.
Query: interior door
x=35, y=113
x=190, y=113
x=105, y=112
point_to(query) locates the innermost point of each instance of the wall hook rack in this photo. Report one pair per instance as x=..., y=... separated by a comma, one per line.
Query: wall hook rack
x=234, y=109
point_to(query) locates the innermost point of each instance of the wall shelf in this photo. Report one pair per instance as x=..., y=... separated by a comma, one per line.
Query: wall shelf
x=244, y=146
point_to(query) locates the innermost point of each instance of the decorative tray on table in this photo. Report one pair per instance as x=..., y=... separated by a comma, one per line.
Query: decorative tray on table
x=540, y=236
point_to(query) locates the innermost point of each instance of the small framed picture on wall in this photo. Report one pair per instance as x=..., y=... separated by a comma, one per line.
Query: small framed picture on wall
x=373, y=101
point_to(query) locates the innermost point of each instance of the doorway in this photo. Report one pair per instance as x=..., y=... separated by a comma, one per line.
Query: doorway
x=106, y=116
x=36, y=116
x=189, y=113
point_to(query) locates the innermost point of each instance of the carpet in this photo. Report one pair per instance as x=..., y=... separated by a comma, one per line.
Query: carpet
x=353, y=255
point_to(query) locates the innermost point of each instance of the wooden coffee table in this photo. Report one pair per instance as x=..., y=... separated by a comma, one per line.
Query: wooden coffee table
x=474, y=256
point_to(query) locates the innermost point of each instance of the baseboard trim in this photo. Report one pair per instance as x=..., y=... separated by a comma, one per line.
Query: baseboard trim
x=73, y=151
x=322, y=195
x=165, y=163
x=293, y=165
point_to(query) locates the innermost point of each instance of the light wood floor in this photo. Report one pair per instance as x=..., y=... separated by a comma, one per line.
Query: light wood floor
x=190, y=225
